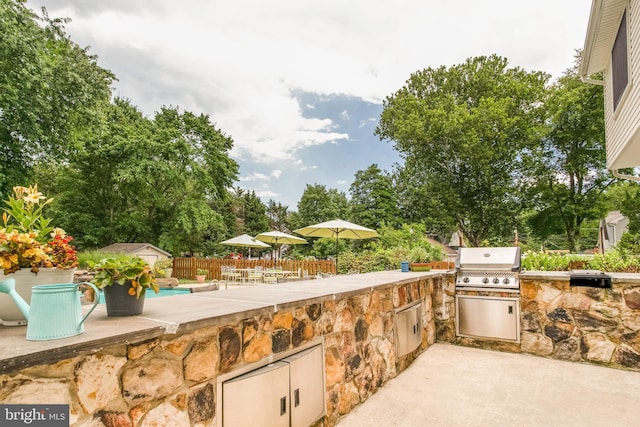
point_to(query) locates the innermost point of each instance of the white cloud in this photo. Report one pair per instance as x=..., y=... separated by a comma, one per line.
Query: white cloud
x=240, y=61
x=256, y=176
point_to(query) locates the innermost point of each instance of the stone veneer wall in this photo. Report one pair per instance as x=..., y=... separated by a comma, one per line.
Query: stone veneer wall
x=171, y=380
x=579, y=324
x=582, y=324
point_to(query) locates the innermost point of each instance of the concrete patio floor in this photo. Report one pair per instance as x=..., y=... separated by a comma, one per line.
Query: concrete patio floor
x=451, y=385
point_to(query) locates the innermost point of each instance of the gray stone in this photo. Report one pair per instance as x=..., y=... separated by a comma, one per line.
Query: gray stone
x=606, y=310
x=593, y=322
x=537, y=344
x=632, y=298
x=301, y=331
x=166, y=415
x=626, y=356
x=314, y=311
x=151, y=380
x=596, y=347
x=557, y=332
x=559, y=315
x=230, y=346
x=361, y=330
x=97, y=380
x=201, y=404
x=530, y=322
x=113, y=419
x=568, y=350
x=281, y=340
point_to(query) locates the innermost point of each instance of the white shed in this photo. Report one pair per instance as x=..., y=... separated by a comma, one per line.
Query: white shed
x=148, y=252
x=612, y=227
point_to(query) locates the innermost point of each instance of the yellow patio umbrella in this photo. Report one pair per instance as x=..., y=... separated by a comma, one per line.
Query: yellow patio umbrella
x=280, y=238
x=245, y=241
x=338, y=228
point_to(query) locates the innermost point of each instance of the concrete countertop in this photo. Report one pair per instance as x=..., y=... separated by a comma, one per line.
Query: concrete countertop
x=183, y=313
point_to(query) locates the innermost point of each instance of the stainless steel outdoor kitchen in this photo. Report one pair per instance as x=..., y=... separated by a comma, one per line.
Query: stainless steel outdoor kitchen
x=488, y=293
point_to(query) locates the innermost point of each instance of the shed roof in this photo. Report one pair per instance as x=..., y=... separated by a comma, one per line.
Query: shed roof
x=129, y=248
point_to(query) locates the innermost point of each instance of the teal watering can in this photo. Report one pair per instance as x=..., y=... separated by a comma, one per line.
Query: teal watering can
x=55, y=310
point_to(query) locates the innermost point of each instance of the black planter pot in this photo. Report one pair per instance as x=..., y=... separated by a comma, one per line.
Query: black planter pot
x=120, y=303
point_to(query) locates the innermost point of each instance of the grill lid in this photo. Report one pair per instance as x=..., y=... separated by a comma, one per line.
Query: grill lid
x=484, y=259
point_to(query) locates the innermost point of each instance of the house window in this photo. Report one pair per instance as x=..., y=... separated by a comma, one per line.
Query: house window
x=619, y=68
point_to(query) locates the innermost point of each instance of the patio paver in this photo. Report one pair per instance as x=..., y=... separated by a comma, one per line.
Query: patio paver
x=451, y=385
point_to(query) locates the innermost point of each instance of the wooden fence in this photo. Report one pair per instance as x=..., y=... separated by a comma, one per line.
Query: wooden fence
x=185, y=268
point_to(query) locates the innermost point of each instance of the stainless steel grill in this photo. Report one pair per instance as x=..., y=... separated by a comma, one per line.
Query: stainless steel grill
x=490, y=315
x=488, y=268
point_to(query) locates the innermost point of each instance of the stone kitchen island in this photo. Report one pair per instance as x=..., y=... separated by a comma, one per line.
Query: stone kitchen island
x=166, y=366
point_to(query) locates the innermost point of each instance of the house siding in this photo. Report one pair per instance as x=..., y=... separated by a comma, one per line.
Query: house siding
x=622, y=127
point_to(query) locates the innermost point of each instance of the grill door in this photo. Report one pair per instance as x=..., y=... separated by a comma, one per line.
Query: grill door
x=307, y=393
x=488, y=317
x=258, y=398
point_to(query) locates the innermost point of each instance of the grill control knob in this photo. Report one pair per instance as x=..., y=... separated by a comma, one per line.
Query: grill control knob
x=496, y=280
x=465, y=280
x=506, y=281
x=485, y=280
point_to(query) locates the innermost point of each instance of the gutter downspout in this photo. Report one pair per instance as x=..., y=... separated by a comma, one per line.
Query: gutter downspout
x=623, y=176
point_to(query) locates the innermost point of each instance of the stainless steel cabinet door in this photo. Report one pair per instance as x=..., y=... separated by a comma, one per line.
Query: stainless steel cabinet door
x=257, y=398
x=488, y=317
x=408, y=330
x=307, y=386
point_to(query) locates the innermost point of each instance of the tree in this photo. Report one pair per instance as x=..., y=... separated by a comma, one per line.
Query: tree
x=373, y=199
x=51, y=92
x=256, y=220
x=279, y=217
x=138, y=180
x=567, y=171
x=460, y=131
x=319, y=204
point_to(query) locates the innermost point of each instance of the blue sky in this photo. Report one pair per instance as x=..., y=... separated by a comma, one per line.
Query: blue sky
x=332, y=164
x=299, y=85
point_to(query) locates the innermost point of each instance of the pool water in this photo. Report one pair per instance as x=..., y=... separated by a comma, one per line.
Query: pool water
x=164, y=292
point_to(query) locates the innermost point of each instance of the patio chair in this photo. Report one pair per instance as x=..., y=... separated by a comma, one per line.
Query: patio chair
x=254, y=276
x=270, y=277
x=230, y=274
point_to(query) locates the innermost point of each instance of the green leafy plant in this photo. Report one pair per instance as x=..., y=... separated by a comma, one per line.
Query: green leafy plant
x=124, y=271
x=202, y=271
x=161, y=266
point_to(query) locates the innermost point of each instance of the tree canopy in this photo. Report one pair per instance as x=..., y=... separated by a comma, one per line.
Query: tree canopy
x=566, y=172
x=51, y=90
x=460, y=131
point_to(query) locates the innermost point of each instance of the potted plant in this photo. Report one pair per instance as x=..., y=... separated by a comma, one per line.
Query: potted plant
x=420, y=258
x=32, y=250
x=201, y=274
x=163, y=267
x=124, y=281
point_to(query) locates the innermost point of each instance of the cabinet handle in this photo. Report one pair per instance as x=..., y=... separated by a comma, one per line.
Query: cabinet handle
x=296, y=397
x=510, y=309
x=283, y=405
